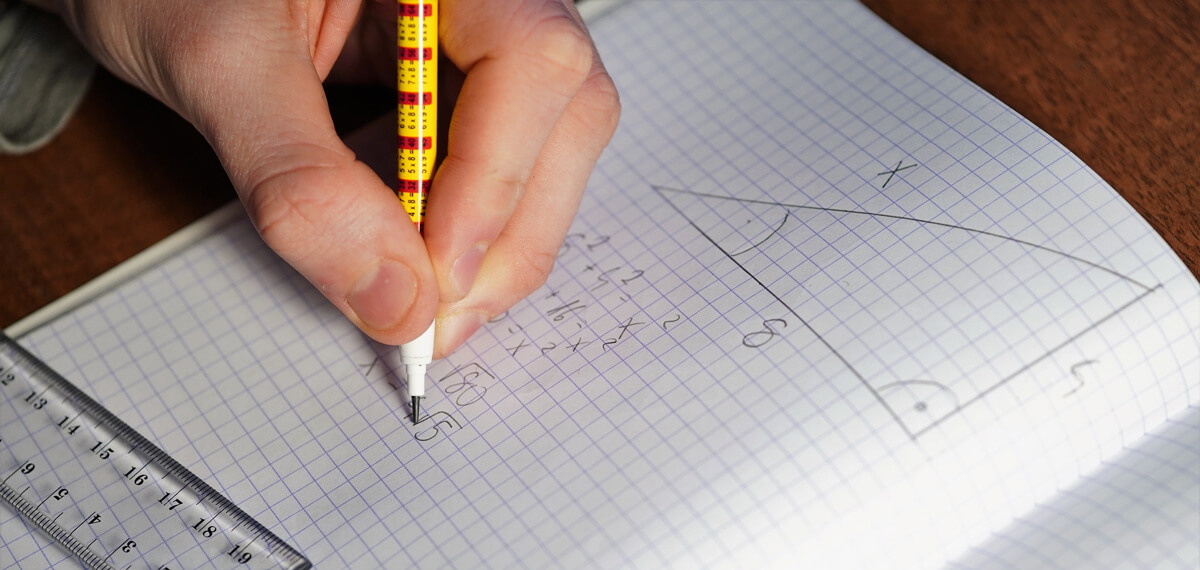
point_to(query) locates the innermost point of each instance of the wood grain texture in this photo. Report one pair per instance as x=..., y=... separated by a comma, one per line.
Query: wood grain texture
x=1114, y=80
x=125, y=173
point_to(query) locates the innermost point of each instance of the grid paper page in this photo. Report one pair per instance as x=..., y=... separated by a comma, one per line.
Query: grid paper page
x=826, y=304
x=1139, y=510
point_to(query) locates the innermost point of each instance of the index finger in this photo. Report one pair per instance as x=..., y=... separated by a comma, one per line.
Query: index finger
x=524, y=61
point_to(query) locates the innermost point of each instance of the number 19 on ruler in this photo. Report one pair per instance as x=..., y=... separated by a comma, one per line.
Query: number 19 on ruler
x=105, y=493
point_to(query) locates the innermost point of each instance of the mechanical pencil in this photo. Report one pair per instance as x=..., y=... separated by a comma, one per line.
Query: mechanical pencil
x=417, y=102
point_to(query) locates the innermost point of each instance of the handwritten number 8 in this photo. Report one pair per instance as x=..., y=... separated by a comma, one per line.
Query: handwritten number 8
x=757, y=339
x=468, y=392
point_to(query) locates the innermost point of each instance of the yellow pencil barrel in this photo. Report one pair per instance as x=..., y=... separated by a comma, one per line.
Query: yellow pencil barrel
x=417, y=100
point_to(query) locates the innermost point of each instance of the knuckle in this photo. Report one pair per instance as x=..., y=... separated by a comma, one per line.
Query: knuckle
x=202, y=46
x=531, y=270
x=564, y=49
x=510, y=186
x=289, y=215
x=502, y=184
x=599, y=96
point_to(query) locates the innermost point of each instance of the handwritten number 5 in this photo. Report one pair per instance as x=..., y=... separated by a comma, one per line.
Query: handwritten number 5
x=433, y=431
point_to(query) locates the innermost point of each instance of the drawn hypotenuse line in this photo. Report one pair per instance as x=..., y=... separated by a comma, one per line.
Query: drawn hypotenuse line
x=926, y=377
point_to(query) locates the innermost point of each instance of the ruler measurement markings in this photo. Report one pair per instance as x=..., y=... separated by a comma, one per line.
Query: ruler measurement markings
x=142, y=503
x=101, y=446
x=50, y=496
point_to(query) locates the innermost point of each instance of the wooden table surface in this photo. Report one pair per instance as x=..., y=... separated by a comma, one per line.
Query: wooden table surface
x=1114, y=80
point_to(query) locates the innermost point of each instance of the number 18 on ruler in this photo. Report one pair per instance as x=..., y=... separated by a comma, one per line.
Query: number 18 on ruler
x=105, y=493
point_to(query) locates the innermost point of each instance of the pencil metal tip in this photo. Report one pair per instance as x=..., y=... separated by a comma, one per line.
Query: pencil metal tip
x=416, y=406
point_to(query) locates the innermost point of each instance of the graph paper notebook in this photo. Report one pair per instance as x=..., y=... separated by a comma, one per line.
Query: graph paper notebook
x=826, y=305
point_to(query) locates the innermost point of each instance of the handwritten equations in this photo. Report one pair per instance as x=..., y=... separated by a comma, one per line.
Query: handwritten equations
x=821, y=288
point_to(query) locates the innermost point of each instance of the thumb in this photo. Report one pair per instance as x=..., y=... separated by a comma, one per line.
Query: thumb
x=320, y=209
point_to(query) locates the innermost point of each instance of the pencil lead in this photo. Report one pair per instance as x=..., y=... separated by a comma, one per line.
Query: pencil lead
x=416, y=406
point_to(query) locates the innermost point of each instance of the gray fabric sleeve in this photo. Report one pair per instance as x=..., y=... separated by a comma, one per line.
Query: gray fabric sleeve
x=44, y=73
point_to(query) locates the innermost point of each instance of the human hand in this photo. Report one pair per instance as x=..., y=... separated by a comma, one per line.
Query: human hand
x=535, y=110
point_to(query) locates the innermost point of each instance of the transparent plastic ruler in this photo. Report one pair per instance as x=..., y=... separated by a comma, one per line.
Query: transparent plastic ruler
x=104, y=492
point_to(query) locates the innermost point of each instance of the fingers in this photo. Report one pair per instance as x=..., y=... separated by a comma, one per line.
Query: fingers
x=524, y=61
x=329, y=215
x=533, y=115
x=369, y=55
x=320, y=209
x=530, y=123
